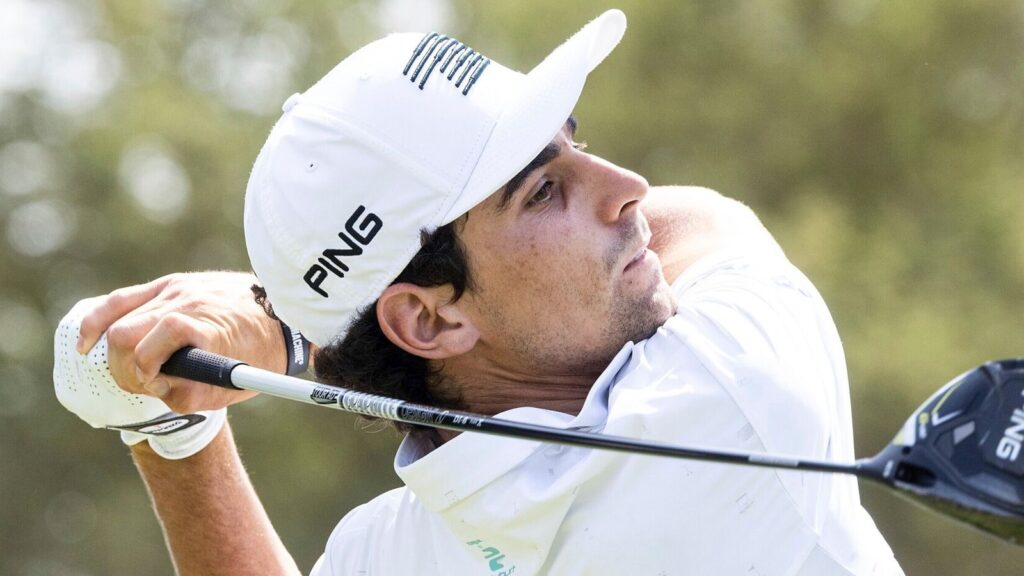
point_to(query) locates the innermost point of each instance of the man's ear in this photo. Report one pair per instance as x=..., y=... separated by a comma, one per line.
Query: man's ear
x=425, y=322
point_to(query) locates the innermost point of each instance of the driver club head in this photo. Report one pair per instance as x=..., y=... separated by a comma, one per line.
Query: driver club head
x=962, y=452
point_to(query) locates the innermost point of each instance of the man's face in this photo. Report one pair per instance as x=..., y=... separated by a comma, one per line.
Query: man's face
x=562, y=277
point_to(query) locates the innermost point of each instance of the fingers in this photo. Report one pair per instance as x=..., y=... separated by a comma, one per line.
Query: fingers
x=123, y=336
x=145, y=324
x=112, y=307
x=187, y=396
x=173, y=332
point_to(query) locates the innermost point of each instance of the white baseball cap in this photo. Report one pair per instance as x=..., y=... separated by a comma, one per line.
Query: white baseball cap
x=404, y=135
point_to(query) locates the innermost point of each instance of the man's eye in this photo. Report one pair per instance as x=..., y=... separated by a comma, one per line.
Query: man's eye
x=541, y=196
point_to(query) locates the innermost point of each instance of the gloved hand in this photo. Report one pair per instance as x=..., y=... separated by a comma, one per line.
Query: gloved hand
x=84, y=386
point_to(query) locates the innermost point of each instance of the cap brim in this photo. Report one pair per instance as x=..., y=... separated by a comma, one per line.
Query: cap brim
x=536, y=114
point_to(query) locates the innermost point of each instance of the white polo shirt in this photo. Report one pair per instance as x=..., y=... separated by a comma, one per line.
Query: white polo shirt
x=750, y=361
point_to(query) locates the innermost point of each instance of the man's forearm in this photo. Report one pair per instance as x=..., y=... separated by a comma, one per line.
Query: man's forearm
x=211, y=517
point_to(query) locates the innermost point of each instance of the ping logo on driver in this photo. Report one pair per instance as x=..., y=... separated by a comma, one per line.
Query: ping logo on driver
x=1009, y=445
x=355, y=237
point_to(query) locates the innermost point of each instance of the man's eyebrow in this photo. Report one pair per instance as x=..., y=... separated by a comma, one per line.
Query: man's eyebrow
x=546, y=155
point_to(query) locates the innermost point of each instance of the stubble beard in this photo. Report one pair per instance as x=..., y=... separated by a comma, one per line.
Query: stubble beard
x=631, y=318
x=634, y=317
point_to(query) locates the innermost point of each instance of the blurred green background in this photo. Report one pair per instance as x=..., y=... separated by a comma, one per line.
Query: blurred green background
x=880, y=141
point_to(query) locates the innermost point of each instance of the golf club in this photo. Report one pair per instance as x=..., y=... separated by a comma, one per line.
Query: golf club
x=958, y=454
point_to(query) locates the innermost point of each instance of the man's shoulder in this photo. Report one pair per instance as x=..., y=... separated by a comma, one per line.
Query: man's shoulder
x=751, y=303
x=380, y=508
x=354, y=544
x=391, y=534
x=741, y=267
x=689, y=223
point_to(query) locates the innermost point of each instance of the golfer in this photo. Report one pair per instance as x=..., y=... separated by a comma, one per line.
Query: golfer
x=425, y=216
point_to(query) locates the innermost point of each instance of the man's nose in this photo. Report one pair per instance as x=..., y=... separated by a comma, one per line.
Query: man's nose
x=618, y=190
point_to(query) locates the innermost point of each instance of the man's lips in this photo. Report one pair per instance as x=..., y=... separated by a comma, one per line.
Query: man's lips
x=637, y=258
x=641, y=233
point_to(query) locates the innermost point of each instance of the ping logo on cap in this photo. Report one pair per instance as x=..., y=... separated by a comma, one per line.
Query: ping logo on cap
x=355, y=238
x=435, y=47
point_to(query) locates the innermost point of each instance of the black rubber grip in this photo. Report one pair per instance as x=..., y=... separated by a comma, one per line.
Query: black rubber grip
x=202, y=366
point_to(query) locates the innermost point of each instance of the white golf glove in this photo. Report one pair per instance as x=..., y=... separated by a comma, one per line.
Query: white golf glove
x=85, y=386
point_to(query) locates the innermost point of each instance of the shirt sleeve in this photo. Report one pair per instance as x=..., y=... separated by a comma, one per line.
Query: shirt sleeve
x=760, y=327
x=319, y=569
x=390, y=535
x=348, y=550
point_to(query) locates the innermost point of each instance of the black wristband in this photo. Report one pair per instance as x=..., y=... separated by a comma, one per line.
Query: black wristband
x=298, y=350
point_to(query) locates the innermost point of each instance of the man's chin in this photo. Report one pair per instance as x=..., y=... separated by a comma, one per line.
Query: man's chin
x=642, y=319
x=656, y=321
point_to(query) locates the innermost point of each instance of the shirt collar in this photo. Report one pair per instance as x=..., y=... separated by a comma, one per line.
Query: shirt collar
x=443, y=475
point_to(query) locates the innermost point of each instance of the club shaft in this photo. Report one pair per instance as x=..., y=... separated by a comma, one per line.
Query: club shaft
x=220, y=371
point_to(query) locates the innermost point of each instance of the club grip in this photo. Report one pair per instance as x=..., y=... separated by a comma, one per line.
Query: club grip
x=202, y=366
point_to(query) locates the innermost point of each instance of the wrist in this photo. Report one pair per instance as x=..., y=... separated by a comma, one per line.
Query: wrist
x=297, y=350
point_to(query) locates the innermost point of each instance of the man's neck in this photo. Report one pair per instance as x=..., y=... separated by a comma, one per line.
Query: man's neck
x=487, y=388
x=490, y=395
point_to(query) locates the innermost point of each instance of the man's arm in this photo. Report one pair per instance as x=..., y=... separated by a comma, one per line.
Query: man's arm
x=688, y=223
x=212, y=520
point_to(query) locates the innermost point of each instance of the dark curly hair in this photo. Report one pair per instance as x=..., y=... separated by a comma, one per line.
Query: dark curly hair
x=365, y=360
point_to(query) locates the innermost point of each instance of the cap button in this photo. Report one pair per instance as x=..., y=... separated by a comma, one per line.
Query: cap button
x=291, y=102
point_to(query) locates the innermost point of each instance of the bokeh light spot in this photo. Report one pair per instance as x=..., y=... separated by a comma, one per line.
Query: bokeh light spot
x=70, y=517
x=27, y=167
x=41, y=227
x=155, y=180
